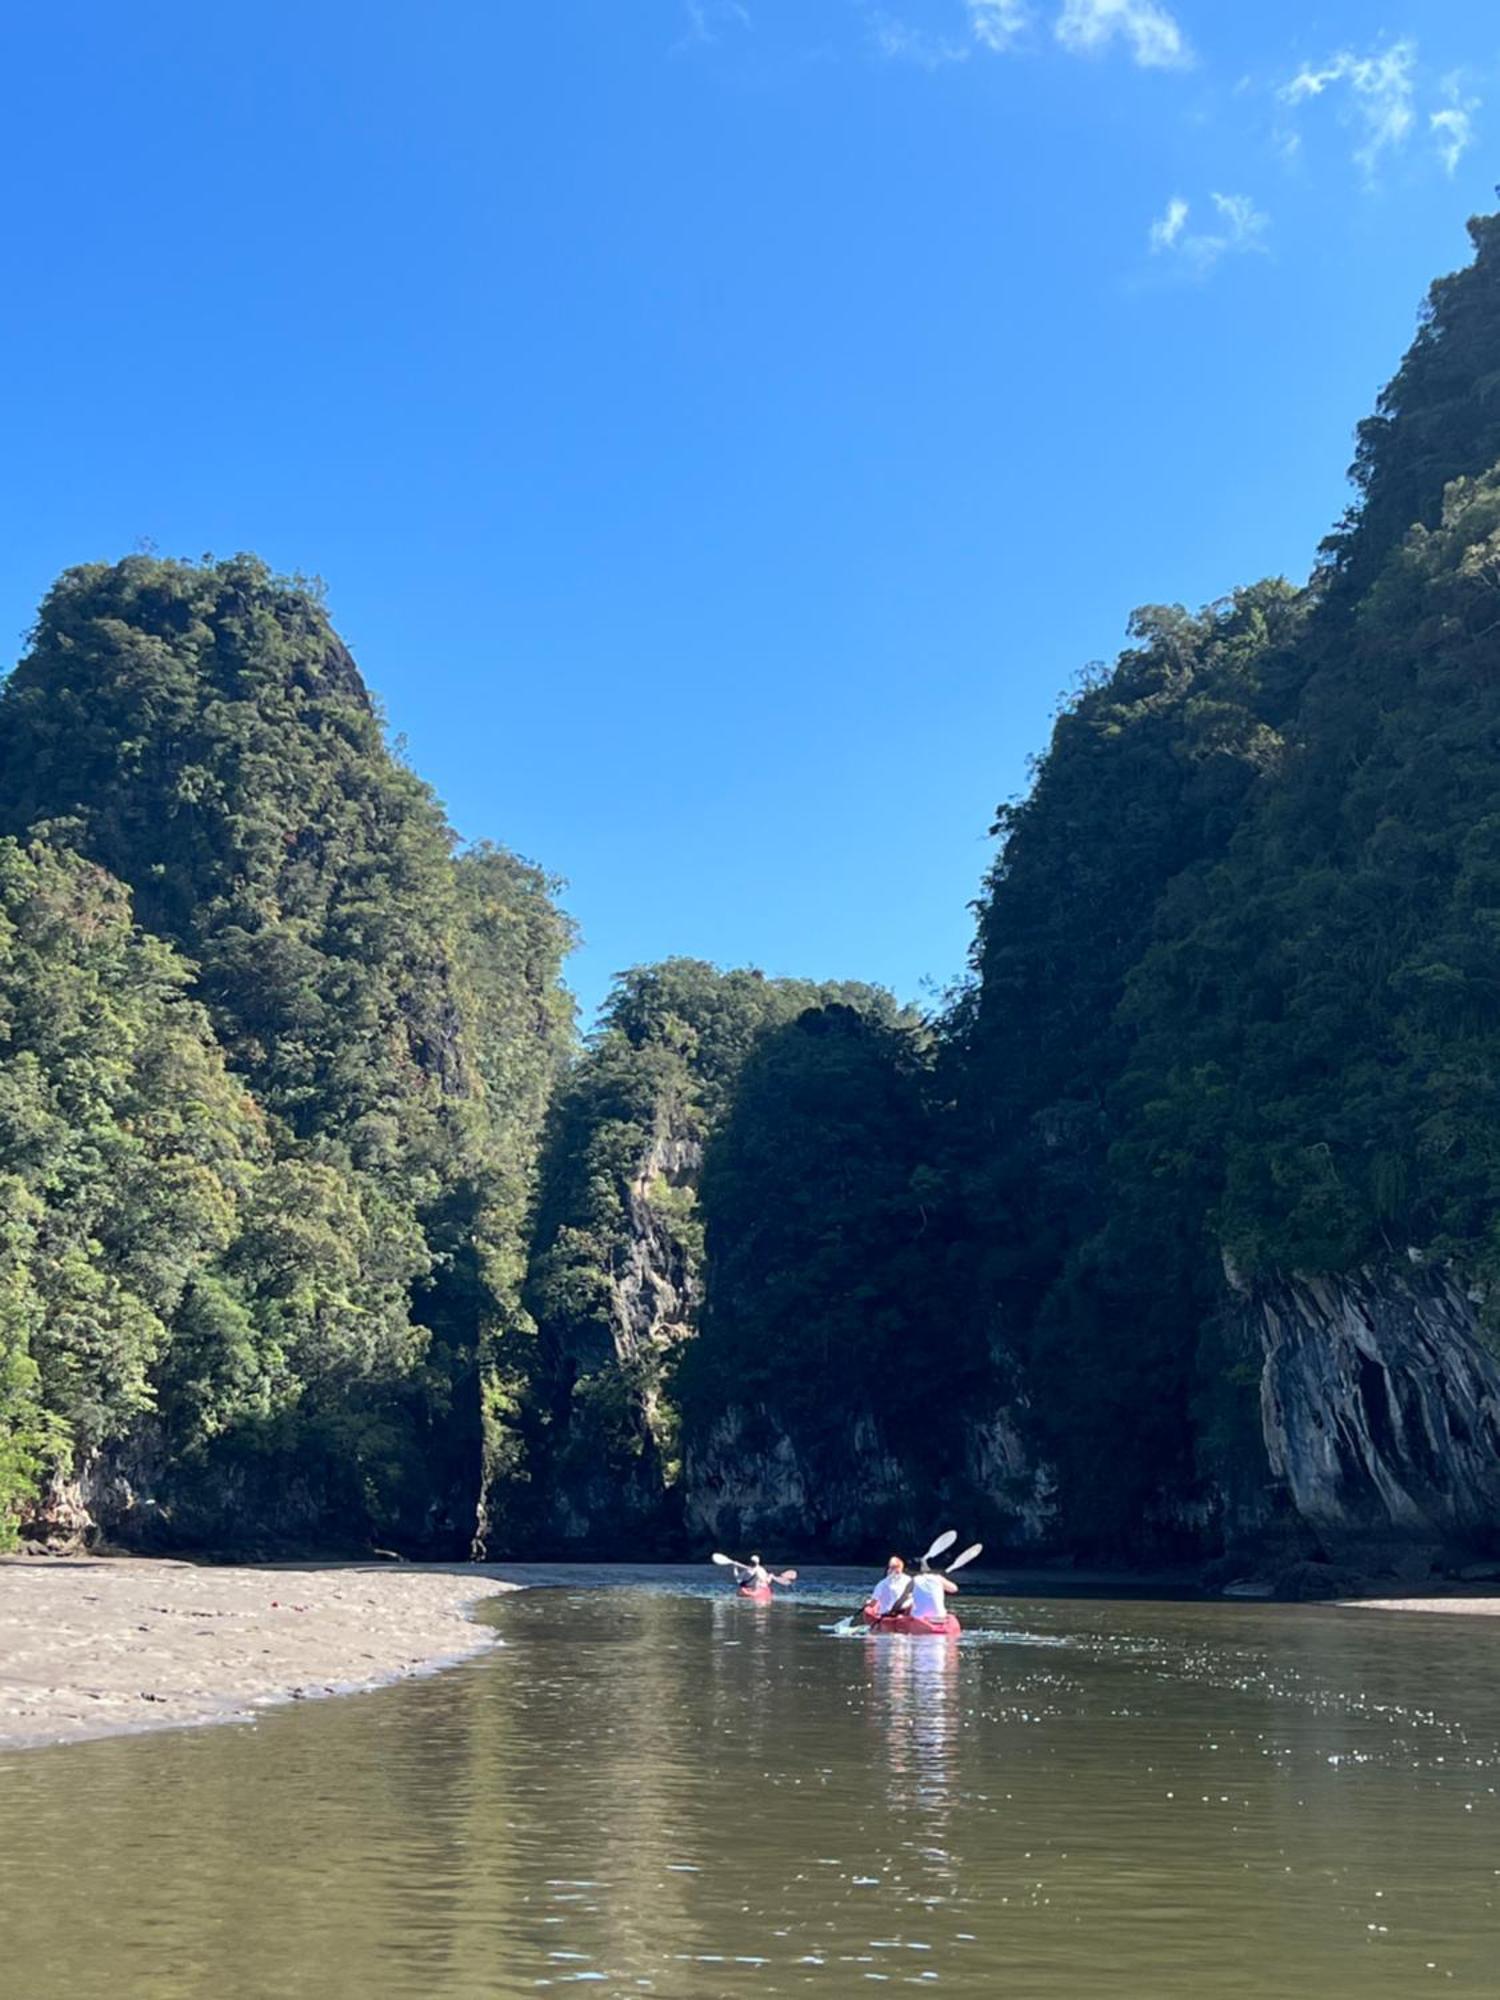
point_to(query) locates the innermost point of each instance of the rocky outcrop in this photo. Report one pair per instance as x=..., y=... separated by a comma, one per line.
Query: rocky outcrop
x=135, y=1495
x=657, y=1291
x=1379, y=1406
x=602, y=1479
x=748, y=1482
x=1015, y=1488
x=248, y=1507
x=854, y=1492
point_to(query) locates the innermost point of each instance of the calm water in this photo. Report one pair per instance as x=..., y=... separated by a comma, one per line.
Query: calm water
x=657, y=1789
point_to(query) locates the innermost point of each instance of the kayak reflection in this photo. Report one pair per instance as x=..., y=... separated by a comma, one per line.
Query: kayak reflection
x=915, y=1683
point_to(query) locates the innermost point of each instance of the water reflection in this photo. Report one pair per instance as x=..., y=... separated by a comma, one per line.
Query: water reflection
x=916, y=1687
x=693, y=1796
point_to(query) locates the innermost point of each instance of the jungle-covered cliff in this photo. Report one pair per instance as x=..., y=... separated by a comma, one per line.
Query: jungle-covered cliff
x=632, y=1206
x=275, y=1064
x=1174, y=1231
x=1235, y=1003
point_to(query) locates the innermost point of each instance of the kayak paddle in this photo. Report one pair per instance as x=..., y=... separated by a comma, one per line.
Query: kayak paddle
x=939, y=1547
x=944, y=1542
x=974, y=1549
x=743, y=1569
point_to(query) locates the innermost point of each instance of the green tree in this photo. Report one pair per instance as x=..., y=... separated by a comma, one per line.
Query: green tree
x=616, y=1273
x=128, y=1152
x=824, y=1222
x=394, y=1017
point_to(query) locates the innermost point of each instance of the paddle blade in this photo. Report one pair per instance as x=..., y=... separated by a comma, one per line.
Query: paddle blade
x=724, y=1562
x=967, y=1557
x=944, y=1541
x=786, y=1576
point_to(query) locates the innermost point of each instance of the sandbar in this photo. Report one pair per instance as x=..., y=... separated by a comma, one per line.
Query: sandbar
x=1463, y=1607
x=91, y=1646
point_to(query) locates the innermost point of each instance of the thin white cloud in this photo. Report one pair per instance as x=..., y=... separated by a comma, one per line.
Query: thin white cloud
x=1238, y=226
x=1245, y=223
x=1000, y=27
x=994, y=26
x=998, y=24
x=1381, y=91
x=1170, y=224
x=706, y=19
x=898, y=41
x=1088, y=27
x=1452, y=128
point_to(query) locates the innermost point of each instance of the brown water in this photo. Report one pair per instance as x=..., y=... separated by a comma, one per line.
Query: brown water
x=657, y=1789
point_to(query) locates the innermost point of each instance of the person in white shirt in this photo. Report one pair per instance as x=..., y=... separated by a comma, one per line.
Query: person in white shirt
x=929, y=1594
x=754, y=1575
x=888, y=1593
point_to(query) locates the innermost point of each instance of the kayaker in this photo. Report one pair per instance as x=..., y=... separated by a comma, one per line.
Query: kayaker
x=753, y=1578
x=928, y=1593
x=889, y=1591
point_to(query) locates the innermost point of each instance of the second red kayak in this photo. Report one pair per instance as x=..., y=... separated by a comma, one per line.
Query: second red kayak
x=932, y=1628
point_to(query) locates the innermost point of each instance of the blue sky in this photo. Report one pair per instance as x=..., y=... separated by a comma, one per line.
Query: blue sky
x=722, y=428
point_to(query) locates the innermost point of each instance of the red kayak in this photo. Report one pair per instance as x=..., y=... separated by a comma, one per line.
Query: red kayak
x=933, y=1628
x=757, y=1593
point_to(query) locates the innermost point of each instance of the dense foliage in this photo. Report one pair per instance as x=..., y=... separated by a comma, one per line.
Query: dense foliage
x=617, y=1277
x=130, y=1158
x=1237, y=961
x=392, y=1016
x=1149, y=772
x=824, y=1218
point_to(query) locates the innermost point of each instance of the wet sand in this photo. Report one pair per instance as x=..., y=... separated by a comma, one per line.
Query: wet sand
x=1465, y=1607
x=93, y=1646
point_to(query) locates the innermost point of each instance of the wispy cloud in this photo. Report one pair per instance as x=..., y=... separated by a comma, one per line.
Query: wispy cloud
x=1081, y=27
x=1381, y=89
x=899, y=41
x=1452, y=127
x=998, y=24
x=1238, y=225
x=1169, y=225
x=994, y=25
x=1087, y=27
x=707, y=19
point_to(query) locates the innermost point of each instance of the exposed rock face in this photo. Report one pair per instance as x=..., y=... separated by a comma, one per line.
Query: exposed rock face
x=747, y=1481
x=657, y=1294
x=134, y=1495
x=1017, y=1487
x=849, y=1495
x=1379, y=1406
x=603, y=1475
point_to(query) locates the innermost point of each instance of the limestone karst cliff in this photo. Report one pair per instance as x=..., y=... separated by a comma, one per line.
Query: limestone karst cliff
x=1172, y=1234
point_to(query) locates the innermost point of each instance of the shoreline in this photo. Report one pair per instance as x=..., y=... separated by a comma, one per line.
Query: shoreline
x=96, y=1646
x=99, y=1646
x=1455, y=1606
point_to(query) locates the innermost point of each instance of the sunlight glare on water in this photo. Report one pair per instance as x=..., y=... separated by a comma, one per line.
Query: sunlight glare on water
x=656, y=1788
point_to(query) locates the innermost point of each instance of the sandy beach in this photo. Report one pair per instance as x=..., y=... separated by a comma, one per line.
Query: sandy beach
x=89, y=1647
